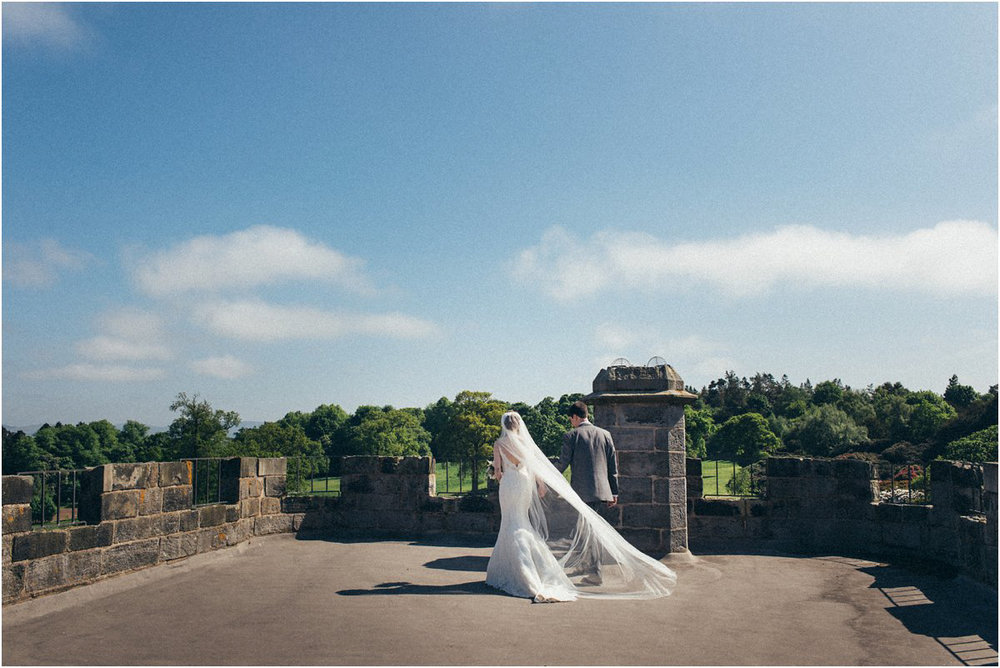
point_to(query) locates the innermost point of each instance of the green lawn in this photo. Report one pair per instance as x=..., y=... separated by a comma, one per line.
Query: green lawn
x=715, y=474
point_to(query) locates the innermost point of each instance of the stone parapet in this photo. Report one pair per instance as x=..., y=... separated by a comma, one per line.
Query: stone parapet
x=137, y=515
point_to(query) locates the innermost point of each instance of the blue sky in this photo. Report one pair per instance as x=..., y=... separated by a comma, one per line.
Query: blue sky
x=283, y=205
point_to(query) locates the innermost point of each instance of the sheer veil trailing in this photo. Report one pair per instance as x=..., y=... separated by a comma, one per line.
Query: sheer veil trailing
x=585, y=546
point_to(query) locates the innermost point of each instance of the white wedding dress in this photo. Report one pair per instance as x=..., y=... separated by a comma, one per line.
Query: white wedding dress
x=554, y=547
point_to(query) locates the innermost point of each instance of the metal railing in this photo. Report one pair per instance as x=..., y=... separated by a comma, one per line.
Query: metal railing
x=55, y=497
x=729, y=479
x=459, y=474
x=311, y=476
x=904, y=483
x=206, y=480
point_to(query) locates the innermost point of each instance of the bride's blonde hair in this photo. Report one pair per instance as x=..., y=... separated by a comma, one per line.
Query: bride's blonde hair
x=512, y=421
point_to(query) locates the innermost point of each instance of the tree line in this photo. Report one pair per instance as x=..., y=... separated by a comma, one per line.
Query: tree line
x=734, y=418
x=742, y=420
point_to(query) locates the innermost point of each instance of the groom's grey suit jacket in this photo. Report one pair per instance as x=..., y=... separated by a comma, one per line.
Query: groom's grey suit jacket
x=591, y=452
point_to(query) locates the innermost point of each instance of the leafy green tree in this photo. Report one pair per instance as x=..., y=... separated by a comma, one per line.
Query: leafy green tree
x=387, y=432
x=20, y=453
x=825, y=431
x=436, y=419
x=699, y=427
x=158, y=447
x=859, y=406
x=743, y=439
x=892, y=412
x=978, y=447
x=108, y=445
x=132, y=442
x=200, y=430
x=828, y=392
x=473, y=428
x=930, y=412
x=324, y=422
x=274, y=439
x=959, y=395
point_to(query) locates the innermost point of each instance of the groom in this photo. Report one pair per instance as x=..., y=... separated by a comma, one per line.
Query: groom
x=590, y=452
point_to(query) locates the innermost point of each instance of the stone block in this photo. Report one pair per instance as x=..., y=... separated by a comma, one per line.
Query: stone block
x=671, y=490
x=695, y=487
x=47, y=573
x=177, y=497
x=177, y=546
x=693, y=467
x=189, y=519
x=83, y=566
x=269, y=524
x=671, y=439
x=38, y=544
x=240, y=467
x=901, y=536
x=212, y=538
x=990, y=477
x=275, y=485
x=94, y=482
x=232, y=512
x=269, y=505
x=89, y=537
x=646, y=515
x=856, y=488
x=268, y=466
x=635, y=490
x=119, y=505
x=251, y=488
x=16, y=518
x=643, y=464
x=241, y=530
x=359, y=466
x=820, y=487
x=646, y=414
x=8, y=544
x=716, y=508
x=676, y=539
x=785, y=488
x=250, y=507
x=134, y=476
x=676, y=464
x=136, y=529
x=633, y=438
x=820, y=467
x=416, y=466
x=17, y=489
x=210, y=516
x=645, y=540
x=169, y=523
x=13, y=582
x=604, y=416
x=175, y=473
x=151, y=501
x=432, y=522
x=784, y=467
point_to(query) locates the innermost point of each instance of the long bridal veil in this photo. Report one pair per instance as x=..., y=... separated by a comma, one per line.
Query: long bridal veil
x=599, y=562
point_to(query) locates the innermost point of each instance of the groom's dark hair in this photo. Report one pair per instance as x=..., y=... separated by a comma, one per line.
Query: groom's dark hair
x=578, y=408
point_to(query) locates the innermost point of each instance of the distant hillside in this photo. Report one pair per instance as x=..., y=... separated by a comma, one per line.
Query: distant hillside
x=31, y=429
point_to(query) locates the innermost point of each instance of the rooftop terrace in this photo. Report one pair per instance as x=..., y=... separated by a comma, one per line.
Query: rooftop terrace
x=279, y=600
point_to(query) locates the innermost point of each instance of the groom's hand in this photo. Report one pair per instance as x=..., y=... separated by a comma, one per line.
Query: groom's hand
x=612, y=503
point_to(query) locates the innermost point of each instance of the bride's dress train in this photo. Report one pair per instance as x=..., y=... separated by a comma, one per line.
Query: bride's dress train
x=554, y=547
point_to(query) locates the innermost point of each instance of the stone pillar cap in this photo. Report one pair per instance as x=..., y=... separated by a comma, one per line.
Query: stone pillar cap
x=640, y=383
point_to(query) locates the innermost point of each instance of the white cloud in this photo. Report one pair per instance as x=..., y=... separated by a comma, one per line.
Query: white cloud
x=43, y=24
x=257, y=256
x=98, y=372
x=951, y=258
x=256, y=320
x=226, y=367
x=130, y=335
x=38, y=264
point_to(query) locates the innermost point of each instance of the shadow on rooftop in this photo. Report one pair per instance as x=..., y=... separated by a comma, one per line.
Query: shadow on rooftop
x=943, y=607
x=476, y=587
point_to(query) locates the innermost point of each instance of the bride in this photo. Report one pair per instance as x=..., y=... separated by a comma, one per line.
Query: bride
x=552, y=546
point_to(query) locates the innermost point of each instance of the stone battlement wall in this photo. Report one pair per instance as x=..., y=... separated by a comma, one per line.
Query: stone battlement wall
x=139, y=515
x=833, y=505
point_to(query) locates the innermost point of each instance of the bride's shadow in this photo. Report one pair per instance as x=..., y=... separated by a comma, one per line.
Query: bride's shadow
x=468, y=563
x=476, y=587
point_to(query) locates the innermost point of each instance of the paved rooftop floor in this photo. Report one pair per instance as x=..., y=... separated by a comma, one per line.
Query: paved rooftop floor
x=279, y=600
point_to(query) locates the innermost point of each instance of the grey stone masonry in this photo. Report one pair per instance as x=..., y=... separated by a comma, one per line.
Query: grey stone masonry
x=643, y=409
x=137, y=515
x=833, y=505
